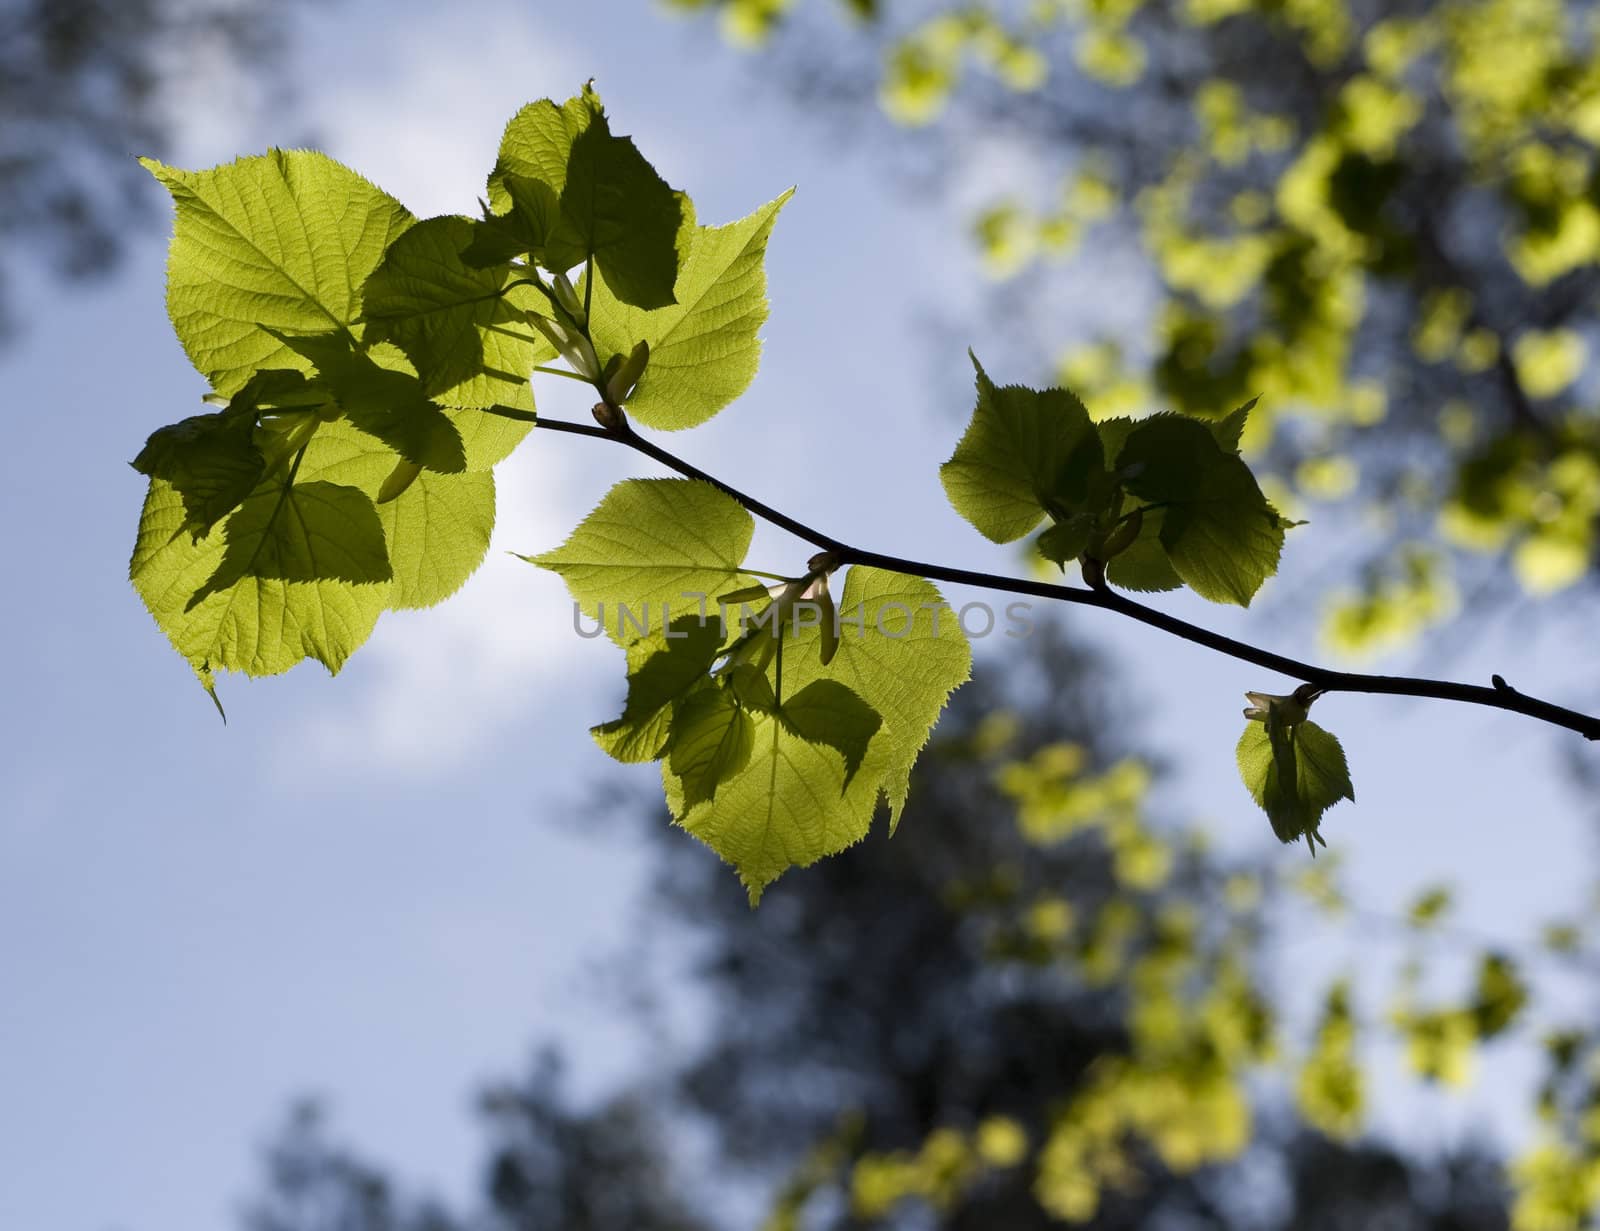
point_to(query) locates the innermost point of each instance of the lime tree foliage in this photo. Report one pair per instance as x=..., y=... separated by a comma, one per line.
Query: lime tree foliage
x=1381, y=218
x=370, y=369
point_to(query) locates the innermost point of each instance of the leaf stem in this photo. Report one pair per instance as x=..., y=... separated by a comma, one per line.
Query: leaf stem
x=1143, y=508
x=1324, y=679
x=562, y=372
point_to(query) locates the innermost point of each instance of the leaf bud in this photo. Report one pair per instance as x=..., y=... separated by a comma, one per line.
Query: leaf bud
x=1291, y=710
x=623, y=380
x=576, y=349
x=830, y=620
x=401, y=477
x=567, y=297
x=1121, y=535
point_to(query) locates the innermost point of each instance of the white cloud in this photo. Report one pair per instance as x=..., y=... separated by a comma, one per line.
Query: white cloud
x=426, y=130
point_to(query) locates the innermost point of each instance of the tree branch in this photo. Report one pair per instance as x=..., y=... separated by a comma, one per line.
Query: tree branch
x=1321, y=679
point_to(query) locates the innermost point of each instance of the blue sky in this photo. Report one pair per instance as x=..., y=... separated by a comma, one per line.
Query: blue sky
x=383, y=888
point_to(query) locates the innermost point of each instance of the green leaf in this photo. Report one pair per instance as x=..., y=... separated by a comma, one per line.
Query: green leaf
x=705, y=348
x=661, y=669
x=1220, y=534
x=437, y=530
x=281, y=241
x=211, y=461
x=380, y=394
x=649, y=543
x=1066, y=540
x=752, y=687
x=1295, y=772
x=438, y=534
x=1143, y=564
x=300, y=531
x=826, y=712
x=1226, y=541
x=616, y=210
x=284, y=579
x=839, y=737
x=278, y=389
x=570, y=190
x=1167, y=456
x=1114, y=434
x=536, y=146
x=1019, y=451
x=712, y=739
x=904, y=672
x=465, y=329
x=1229, y=431
x=486, y=438
x=522, y=230
x=785, y=808
x=1226, y=431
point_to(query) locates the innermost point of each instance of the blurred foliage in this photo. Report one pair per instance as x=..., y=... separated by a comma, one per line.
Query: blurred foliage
x=1041, y=1006
x=549, y=1165
x=1381, y=218
x=87, y=84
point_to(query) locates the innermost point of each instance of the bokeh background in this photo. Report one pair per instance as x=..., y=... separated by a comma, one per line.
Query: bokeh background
x=391, y=892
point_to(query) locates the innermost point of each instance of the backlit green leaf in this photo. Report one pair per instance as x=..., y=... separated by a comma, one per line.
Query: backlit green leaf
x=1219, y=532
x=522, y=230
x=705, y=348
x=1143, y=564
x=1296, y=773
x=437, y=530
x=830, y=740
x=826, y=712
x=618, y=212
x=380, y=394
x=650, y=543
x=536, y=146
x=284, y=579
x=1067, y=540
x=1229, y=430
x=786, y=808
x=301, y=531
x=902, y=652
x=465, y=329
x=211, y=461
x=712, y=739
x=1021, y=446
x=281, y=241
x=660, y=670
x=568, y=189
